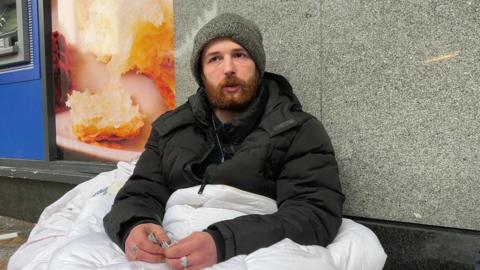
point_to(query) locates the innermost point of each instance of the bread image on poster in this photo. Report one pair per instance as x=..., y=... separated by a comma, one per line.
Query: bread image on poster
x=114, y=74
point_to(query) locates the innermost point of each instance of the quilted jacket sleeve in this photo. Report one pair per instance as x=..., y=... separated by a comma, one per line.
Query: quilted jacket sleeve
x=309, y=198
x=142, y=198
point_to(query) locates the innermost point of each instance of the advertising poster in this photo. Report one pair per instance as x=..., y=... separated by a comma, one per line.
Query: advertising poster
x=114, y=74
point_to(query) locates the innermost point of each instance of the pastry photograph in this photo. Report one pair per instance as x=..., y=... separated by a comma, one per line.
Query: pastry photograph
x=114, y=74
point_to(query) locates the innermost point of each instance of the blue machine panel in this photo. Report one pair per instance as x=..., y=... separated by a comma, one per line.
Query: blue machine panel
x=22, y=112
x=22, y=128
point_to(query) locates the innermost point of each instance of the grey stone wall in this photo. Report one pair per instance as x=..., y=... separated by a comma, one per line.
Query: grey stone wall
x=396, y=84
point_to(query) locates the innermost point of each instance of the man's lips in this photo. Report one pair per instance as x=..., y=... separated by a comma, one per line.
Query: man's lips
x=232, y=88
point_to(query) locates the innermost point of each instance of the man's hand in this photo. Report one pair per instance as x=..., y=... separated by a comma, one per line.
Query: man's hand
x=198, y=248
x=139, y=247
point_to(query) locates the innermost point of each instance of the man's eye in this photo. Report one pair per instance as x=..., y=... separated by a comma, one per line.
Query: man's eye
x=214, y=59
x=240, y=55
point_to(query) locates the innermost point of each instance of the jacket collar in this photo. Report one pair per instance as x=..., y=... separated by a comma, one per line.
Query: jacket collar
x=246, y=122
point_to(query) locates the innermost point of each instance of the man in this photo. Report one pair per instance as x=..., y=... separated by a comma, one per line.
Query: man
x=243, y=128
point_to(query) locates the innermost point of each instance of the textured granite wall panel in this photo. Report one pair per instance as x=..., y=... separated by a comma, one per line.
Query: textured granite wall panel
x=395, y=82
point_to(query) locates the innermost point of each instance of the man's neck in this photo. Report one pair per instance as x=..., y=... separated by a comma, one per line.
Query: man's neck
x=226, y=116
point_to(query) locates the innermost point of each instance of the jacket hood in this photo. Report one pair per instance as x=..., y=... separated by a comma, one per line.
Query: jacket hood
x=281, y=92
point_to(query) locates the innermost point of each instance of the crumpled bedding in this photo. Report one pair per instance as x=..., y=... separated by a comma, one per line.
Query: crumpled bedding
x=70, y=234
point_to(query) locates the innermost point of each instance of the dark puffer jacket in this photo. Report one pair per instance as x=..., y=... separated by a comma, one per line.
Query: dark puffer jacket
x=273, y=149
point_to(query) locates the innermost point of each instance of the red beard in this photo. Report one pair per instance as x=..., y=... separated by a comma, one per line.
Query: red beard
x=238, y=102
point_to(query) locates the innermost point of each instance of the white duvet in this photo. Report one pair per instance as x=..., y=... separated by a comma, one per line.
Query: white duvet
x=70, y=235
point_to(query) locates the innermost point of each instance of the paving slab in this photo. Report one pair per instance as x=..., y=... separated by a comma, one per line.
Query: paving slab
x=8, y=246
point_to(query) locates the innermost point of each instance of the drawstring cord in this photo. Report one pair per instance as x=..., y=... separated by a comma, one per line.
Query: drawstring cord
x=222, y=155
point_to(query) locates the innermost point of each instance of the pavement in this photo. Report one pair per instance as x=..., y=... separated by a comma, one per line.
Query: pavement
x=9, y=246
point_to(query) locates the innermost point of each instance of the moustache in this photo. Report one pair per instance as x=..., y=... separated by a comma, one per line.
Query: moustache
x=232, y=81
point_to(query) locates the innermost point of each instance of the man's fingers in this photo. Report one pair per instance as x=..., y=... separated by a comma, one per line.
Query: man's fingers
x=180, y=249
x=193, y=261
x=185, y=246
x=160, y=235
x=149, y=257
x=140, y=236
x=139, y=247
x=176, y=263
x=136, y=254
x=178, y=253
x=151, y=247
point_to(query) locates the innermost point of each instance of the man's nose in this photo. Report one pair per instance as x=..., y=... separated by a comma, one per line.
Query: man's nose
x=228, y=66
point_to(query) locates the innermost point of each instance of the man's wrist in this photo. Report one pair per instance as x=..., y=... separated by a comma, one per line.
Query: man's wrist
x=219, y=243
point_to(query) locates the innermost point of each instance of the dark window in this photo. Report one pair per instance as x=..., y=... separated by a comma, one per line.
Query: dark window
x=14, y=33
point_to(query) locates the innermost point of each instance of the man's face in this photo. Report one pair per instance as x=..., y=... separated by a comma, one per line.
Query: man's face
x=229, y=75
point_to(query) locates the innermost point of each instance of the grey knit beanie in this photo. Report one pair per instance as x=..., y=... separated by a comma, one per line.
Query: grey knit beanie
x=235, y=27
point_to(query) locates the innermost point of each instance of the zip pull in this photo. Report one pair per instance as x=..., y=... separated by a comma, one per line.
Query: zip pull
x=202, y=187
